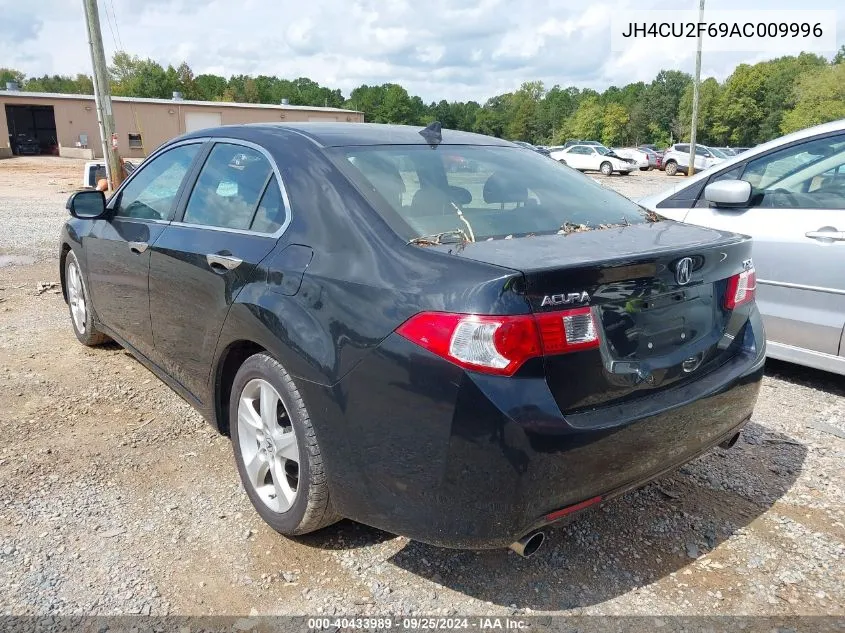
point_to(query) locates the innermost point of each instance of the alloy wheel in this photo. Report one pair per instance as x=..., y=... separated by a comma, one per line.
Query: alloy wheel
x=268, y=445
x=76, y=297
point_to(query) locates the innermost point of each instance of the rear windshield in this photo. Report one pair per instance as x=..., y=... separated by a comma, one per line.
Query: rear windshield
x=486, y=192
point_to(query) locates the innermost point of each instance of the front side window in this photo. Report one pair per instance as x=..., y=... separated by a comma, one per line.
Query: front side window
x=808, y=175
x=151, y=193
x=229, y=187
x=497, y=192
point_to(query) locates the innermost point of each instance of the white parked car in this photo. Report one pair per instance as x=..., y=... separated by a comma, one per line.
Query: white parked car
x=676, y=158
x=94, y=170
x=641, y=159
x=593, y=158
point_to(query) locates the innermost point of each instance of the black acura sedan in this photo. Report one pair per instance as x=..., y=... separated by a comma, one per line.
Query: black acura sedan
x=461, y=357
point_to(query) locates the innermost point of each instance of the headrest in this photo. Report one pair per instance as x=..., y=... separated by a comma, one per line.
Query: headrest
x=501, y=188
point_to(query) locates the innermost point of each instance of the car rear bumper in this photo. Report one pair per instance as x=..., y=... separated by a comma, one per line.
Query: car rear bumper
x=419, y=447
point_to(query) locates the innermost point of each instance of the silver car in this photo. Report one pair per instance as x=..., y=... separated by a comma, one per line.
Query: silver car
x=676, y=158
x=789, y=195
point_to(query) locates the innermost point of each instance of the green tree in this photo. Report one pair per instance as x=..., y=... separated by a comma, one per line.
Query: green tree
x=661, y=99
x=819, y=98
x=614, y=124
x=708, y=99
x=185, y=81
x=396, y=106
x=555, y=108
x=586, y=123
x=491, y=119
x=10, y=74
x=839, y=58
x=135, y=77
x=523, y=112
x=209, y=87
x=81, y=84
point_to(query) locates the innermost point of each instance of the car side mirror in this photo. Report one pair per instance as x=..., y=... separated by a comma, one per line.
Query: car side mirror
x=87, y=204
x=728, y=193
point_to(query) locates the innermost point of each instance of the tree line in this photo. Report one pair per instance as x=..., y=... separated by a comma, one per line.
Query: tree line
x=755, y=103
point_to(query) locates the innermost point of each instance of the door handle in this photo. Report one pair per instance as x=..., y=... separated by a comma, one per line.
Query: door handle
x=832, y=236
x=223, y=261
x=138, y=247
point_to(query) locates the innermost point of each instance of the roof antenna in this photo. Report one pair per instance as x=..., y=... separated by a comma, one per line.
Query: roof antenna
x=431, y=133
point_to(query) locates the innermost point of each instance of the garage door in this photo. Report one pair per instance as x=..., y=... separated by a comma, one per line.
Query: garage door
x=200, y=120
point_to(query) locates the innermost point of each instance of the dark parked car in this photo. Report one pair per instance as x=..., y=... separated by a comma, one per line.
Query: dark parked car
x=459, y=357
x=533, y=148
x=25, y=145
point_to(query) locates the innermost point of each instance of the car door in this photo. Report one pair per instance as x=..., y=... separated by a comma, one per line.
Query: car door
x=593, y=159
x=797, y=220
x=227, y=222
x=117, y=253
x=576, y=157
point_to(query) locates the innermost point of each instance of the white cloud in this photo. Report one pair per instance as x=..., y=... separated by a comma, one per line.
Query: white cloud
x=439, y=49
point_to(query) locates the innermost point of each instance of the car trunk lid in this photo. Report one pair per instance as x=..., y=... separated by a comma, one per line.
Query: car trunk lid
x=656, y=291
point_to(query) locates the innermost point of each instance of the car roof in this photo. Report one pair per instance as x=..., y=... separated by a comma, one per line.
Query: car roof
x=330, y=134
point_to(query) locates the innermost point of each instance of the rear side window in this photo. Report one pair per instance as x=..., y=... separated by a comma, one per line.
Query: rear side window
x=229, y=188
x=486, y=192
x=271, y=214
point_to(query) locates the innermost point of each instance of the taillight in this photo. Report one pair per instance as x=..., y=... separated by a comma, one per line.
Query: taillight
x=741, y=289
x=501, y=344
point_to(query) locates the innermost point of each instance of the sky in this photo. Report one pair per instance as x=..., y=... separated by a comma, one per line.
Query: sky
x=437, y=49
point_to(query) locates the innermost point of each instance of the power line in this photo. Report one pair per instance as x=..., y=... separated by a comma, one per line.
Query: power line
x=116, y=26
x=108, y=21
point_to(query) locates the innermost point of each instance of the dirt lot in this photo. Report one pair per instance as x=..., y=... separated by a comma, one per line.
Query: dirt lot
x=115, y=497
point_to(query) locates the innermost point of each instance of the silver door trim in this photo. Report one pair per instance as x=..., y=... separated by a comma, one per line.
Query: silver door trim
x=786, y=284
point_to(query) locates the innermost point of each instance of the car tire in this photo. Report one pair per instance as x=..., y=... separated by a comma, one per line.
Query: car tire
x=645, y=168
x=606, y=168
x=562, y=162
x=671, y=168
x=82, y=317
x=285, y=446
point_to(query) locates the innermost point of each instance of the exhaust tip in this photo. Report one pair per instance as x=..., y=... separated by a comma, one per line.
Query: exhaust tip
x=728, y=443
x=528, y=545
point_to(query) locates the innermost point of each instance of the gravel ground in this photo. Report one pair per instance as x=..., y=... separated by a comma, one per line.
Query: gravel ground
x=116, y=498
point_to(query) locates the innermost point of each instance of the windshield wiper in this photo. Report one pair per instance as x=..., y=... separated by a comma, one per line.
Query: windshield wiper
x=455, y=236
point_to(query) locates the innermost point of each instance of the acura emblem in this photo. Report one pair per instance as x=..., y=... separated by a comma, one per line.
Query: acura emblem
x=683, y=271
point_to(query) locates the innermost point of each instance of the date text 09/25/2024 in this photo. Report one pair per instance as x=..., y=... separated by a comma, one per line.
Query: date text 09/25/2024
x=481, y=623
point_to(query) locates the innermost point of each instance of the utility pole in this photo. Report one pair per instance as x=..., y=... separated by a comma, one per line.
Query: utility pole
x=102, y=95
x=694, y=122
